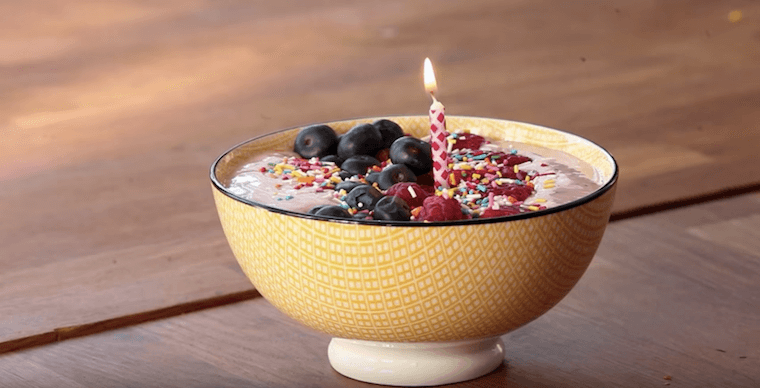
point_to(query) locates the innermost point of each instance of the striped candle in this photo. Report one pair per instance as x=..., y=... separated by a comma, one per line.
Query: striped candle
x=438, y=132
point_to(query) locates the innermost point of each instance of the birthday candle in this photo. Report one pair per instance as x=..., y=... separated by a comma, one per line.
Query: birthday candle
x=437, y=129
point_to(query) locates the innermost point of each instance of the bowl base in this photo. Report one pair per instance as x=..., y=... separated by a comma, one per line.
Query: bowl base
x=412, y=364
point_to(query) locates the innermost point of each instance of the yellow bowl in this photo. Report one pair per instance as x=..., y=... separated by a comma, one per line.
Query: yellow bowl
x=412, y=281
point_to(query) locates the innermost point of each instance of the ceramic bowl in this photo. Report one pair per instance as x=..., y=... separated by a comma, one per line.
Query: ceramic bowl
x=443, y=291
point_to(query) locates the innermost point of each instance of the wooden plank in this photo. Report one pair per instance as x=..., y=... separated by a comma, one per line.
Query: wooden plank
x=111, y=114
x=80, y=330
x=659, y=299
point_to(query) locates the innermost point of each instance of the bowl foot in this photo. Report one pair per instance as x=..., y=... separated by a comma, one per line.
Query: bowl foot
x=415, y=363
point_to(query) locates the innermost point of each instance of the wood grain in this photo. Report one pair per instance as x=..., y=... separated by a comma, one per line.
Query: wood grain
x=659, y=299
x=110, y=114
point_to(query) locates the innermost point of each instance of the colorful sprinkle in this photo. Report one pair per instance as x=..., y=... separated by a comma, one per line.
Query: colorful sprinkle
x=411, y=192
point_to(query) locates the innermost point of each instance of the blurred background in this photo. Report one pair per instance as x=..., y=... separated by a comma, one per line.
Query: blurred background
x=658, y=83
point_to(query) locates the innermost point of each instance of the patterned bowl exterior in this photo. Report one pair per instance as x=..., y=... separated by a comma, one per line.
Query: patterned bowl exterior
x=420, y=281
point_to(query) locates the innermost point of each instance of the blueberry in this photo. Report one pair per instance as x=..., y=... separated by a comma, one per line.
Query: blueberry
x=361, y=216
x=358, y=164
x=363, y=139
x=363, y=197
x=413, y=152
x=392, y=208
x=393, y=174
x=332, y=158
x=372, y=177
x=348, y=185
x=316, y=140
x=389, y=130
x=315, y=209
x=333, y=211
x=344, y=175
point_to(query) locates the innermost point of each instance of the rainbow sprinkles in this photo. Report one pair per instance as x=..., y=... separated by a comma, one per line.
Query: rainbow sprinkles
x=485, y=179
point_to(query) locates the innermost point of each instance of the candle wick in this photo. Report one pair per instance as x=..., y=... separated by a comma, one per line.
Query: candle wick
x=432, y=94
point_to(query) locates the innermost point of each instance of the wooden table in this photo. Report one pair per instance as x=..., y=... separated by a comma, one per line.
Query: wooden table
x=115, y=271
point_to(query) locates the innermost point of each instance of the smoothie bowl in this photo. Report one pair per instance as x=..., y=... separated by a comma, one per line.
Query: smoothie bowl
x=414, y=302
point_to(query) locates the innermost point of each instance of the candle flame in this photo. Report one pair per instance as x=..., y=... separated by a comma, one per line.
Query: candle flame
x=429, y=76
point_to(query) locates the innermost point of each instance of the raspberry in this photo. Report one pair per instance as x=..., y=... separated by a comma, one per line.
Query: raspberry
x=437, y=208
x=509, y=172
x=401, y=190
x=383, y=155
x=427, y=181
x=510, y=160
x=519, y=192
x=469, y=141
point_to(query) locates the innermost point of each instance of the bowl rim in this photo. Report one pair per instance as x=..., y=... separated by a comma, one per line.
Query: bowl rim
x=473, y=221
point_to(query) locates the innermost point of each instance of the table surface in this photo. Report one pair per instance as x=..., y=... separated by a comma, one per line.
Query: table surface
x=115, y=268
